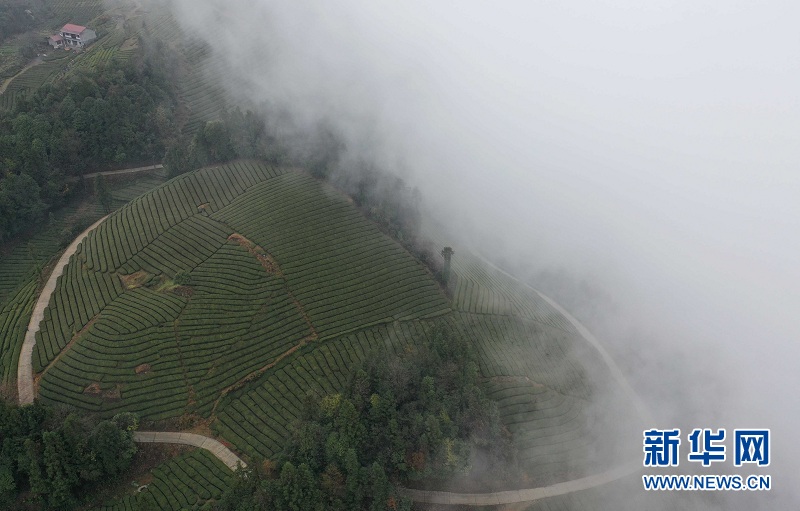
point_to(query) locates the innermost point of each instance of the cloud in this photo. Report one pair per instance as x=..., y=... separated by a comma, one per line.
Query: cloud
x=649, y=149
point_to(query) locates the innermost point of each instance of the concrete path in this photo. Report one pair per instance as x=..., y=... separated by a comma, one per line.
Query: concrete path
x=26, y=395
x=25, y=386
x=619, y=377
x=224, y=454
x=119, y=172
x=518, y=496
x=25, y=366
x=532, y=494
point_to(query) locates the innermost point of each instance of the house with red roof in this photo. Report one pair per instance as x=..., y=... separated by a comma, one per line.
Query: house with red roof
x=72, y=36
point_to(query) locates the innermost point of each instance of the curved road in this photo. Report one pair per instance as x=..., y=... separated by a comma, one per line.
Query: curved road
x=25, y=387
x=519, y=496
x=26, y=393
x=574, y=485
x=641, y=409
x=25, y=366
x=224, y=454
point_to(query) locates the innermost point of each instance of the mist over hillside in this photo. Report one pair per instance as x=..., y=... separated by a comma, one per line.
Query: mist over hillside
x=648, y=150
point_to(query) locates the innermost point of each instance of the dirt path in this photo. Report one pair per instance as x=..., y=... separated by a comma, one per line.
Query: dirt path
x=224, y=454
x=7, y=82
x=25, y=367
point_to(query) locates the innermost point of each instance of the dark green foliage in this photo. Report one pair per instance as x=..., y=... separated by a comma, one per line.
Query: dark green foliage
x=14, y=19
x=20, y=203
x=98, y=119
x=447, y=254
x=401, y=417
x=251, y=138
x=237, y=135
x=183, y=278
x=68, y=234
x=211, y=144
x=53, y=453
x=103, y=193
x=178, y=158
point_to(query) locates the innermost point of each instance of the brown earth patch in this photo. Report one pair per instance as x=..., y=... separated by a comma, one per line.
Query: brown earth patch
x=143, y=369
x=266, y=260
x=183, y=291
x=134, y=280
x=94, y=389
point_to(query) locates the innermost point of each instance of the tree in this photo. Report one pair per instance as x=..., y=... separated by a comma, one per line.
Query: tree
x=447, y=253
x=298, y=489
x=114, y=447
x=183, y=278
x=178, y=159
x=213, y=143
x=55, y=453
x=20, y=203
x=103, y=192
x=380, y=489
x=60, y=467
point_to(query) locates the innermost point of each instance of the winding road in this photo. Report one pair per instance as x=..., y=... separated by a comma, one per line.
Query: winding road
x=25, y=388
x=216, y=448
x=616, y=373
x=25, y=366
x=519, y=496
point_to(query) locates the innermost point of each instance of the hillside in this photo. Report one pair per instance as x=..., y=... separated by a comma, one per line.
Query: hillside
x=268, y=275
x=25, y=262
x=220, y=299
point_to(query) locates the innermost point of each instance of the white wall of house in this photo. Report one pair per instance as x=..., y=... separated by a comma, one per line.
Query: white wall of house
x=82, y=39
x=88, y=35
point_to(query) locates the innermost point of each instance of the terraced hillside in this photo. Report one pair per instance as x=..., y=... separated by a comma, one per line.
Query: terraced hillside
x=546, y=379
x=201, y=71
x=184, y=483
x=274, y=260
x=22, y=264
x=231, y=292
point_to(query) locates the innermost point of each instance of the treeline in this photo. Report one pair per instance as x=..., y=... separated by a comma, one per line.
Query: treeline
x=383, y=198
x=17, y=16
x=95, y=120
x=54, y=454
x=237, y=135
x=417, y=415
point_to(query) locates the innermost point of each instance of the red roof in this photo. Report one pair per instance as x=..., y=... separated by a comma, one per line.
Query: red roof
x=72, y=29
x=56, y=38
